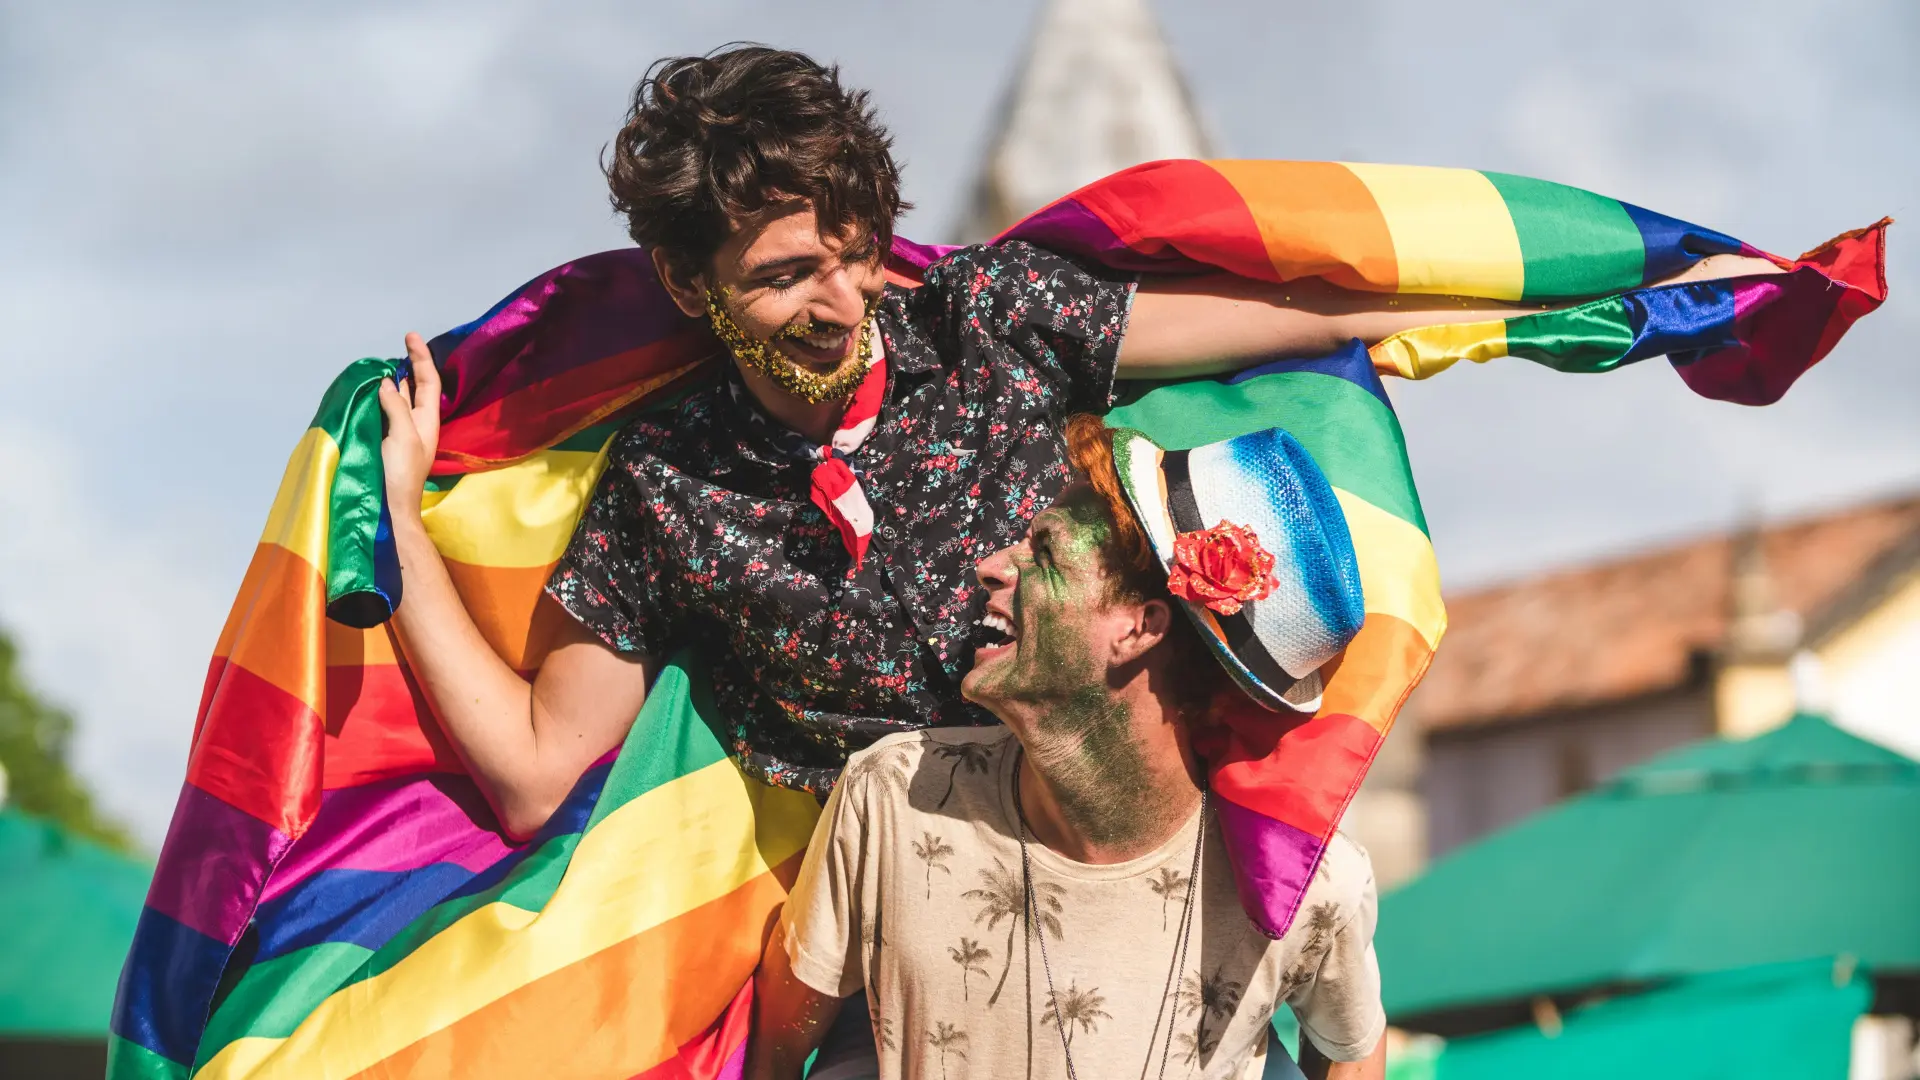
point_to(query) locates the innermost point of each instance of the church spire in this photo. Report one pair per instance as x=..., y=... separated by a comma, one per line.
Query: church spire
x=1098, y=91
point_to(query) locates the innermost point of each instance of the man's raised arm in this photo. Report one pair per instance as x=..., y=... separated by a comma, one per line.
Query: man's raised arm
x=526, y=744
x=1214, y=323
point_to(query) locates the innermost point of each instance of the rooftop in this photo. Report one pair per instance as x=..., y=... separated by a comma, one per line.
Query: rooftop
x=1637, y=625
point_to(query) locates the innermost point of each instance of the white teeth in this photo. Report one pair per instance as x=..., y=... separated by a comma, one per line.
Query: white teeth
x=996, y=622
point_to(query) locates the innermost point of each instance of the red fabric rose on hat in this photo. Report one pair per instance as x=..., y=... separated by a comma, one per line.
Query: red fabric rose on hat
x=1222, y=568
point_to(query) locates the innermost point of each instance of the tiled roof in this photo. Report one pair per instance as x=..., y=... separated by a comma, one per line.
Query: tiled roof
x=1620, y=629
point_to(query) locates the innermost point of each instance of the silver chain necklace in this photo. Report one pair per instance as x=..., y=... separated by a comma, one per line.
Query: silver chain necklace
x=1179, y=960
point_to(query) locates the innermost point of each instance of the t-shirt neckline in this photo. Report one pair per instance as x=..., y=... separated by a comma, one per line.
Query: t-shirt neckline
x=1059, y=865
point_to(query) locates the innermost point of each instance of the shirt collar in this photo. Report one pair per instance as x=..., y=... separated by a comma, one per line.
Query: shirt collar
x=908, y=353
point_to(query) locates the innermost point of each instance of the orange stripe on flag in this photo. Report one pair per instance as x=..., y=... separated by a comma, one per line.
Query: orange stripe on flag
x=1371, y=678
x=1316, y=218
x=505, y=604
x=621, y=1011
x=274, y=628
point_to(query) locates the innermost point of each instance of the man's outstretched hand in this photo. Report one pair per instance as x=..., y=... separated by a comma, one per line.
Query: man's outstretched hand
x=413, y=430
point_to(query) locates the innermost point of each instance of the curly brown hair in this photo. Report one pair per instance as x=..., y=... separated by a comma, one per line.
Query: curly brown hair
x=712, y=139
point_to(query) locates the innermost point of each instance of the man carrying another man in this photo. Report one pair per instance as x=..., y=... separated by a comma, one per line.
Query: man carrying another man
x=1019, y=901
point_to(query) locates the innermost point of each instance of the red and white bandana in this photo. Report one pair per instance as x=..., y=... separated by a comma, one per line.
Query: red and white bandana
x=836, y=489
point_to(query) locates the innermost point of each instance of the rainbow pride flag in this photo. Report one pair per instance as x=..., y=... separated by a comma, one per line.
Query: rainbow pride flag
x=334, y=899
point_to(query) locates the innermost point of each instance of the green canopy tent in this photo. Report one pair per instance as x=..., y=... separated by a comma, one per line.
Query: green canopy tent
x=1786, y=1020
x=1799, y=844
x=67, y=912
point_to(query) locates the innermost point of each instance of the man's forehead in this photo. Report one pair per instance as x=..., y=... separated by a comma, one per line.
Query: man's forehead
x=784, y=232
x=1076, y=512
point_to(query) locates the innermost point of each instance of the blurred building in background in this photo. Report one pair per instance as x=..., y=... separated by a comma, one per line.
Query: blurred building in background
x=1547, y=687
x=1096, y=92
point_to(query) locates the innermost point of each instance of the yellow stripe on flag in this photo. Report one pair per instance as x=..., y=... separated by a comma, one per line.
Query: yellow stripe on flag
x=298, y=520
x=522, y=515
x=716, y=829
x=1430, y=350
x=1452, y=232
x=1398, y=572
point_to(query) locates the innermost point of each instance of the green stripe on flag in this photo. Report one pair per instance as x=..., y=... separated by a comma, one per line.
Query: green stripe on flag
x=1580, y=340
x=274, y=995
x=128, y=1060
x=590, y=440
x=1352, y=435
x=1573, y=242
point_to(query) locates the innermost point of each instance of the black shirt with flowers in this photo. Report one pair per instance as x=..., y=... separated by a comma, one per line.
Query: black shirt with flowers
x=701, y=532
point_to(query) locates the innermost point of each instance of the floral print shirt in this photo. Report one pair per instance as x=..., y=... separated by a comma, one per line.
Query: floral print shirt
x=700, y=532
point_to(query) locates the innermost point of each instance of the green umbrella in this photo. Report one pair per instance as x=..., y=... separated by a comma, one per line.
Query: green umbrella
x=1800, y=843
x=1792, y=1021
x=67, y=911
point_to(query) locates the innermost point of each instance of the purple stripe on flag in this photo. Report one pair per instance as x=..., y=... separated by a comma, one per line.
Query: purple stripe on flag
x=919, y=256
x=214, y=862
x=1071, y=229
x=1272, y=864
x=570, y=316
x=395, y=825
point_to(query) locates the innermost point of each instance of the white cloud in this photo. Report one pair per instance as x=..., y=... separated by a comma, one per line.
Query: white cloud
x=116, y=622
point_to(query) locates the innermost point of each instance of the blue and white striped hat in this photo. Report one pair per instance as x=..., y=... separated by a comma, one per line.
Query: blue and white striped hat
x=1267, y=483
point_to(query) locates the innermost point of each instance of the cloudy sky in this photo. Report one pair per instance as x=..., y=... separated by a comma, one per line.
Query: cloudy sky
x=208, y=208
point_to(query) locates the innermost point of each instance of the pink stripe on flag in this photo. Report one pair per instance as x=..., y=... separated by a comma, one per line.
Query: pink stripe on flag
x=212, y=865
x=1272, y=864
x=401, y=824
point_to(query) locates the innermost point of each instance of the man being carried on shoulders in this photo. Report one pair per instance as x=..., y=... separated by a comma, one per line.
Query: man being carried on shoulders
x=1019, y=901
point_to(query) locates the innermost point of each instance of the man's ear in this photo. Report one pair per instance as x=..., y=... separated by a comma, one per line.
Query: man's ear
x=689, y=293
x=1150, y=626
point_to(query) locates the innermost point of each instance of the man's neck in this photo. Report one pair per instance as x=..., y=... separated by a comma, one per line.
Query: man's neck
x=817, y=422
x=1110, y=786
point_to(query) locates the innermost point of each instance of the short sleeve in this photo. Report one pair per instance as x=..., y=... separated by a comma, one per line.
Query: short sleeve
x=824, y=912
x=605, y=579
x=1339, y=1007
x=1063, y=319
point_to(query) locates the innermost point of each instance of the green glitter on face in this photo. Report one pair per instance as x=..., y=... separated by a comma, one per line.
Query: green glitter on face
x=1082, y=741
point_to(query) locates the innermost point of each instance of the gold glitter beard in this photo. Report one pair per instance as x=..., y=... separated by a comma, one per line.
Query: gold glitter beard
x=786, y=374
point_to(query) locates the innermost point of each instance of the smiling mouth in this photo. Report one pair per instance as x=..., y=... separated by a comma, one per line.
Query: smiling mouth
x=994, y=632
x=824, y=351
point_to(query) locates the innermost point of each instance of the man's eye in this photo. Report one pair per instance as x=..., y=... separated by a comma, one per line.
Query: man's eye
x=782, y=283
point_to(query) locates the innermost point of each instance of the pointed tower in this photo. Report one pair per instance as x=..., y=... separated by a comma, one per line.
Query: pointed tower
x=1097, y=92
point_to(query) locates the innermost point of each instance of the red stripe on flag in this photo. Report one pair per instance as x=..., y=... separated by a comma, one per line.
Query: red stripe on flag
x=1188, y=199
x=1302, y=775
x=259, y=750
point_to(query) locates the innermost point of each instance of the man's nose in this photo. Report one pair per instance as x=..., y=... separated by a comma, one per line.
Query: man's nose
x=840, y=300
x=996, y=570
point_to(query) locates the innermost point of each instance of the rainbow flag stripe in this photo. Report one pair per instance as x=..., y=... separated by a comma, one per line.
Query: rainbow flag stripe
x=334, y=900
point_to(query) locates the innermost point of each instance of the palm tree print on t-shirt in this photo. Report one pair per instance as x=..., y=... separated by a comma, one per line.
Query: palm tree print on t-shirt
x=948, y=1040
x=933, y=851
x=1002, y=896
x=1075, y=1008
x=973, y=756
x=971, y=957
x=1205, y=997
x=1168, y=884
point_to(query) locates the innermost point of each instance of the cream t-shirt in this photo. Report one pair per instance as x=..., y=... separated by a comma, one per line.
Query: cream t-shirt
x=912, y=889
